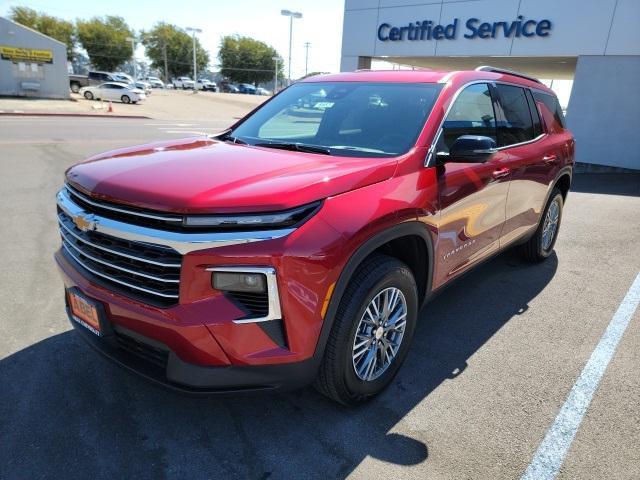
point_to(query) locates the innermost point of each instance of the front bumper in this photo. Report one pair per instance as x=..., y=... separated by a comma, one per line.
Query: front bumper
x=185, y=377
x=179, y=353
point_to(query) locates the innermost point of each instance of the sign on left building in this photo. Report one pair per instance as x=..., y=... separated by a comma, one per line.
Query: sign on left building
x=31, y=55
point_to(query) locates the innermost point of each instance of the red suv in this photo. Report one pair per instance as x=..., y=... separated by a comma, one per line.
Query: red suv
x=299, y=245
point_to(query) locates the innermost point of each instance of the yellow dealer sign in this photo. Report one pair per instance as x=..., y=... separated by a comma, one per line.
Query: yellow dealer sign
x=16, y=54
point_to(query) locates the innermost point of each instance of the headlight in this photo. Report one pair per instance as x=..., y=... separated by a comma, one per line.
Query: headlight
x=283, y=219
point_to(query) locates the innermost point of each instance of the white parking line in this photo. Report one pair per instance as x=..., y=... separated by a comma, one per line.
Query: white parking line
x=552, y=451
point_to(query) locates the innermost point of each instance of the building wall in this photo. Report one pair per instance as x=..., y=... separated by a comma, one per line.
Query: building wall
x=579, y=27
x=48, y=80
x=604, y=110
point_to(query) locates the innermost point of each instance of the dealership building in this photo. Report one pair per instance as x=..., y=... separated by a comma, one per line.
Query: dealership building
x=595, y=43
x=31, y=64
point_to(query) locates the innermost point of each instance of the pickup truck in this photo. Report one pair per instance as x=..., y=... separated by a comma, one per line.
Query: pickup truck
x=76, y=82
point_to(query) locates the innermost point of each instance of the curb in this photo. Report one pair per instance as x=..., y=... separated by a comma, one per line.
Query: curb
x=50, y=114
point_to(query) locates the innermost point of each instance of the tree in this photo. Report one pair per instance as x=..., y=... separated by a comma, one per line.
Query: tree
x=105, y=40
x=166, y=39
x=53, y=27
x=245, y=60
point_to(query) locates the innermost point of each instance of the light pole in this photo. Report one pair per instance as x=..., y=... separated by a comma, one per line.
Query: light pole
x=133, y=57
x=306, y=57
x=275, y=75
x=291, y=15
x=195, y=68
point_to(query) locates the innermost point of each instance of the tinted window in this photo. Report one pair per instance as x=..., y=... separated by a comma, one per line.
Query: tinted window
x=472, y=113
x=349, y=118
x=516, y=125
x=551, y=111
x=535, y=115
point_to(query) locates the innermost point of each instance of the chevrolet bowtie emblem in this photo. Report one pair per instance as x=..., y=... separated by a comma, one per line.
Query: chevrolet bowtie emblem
x=85, y=222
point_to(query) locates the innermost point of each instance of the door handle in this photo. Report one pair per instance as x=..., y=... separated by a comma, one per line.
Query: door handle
x=549, y=159
x=501, y=172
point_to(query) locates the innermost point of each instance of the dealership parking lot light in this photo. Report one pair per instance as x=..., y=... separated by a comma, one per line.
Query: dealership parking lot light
x=275, y=75
x=291, y=15
x=195, y=68
x=133, y=57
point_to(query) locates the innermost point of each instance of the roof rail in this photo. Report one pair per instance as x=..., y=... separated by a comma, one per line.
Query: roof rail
x=488, y=68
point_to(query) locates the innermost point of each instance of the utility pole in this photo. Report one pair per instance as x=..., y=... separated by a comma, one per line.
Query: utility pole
x=306, y=58
x=195, y=68
x=291, y=15
x=166, y=66
x=133, y=57
x=275, y=76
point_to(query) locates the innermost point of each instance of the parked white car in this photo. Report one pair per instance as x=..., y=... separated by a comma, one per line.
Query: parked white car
x=262, y=91
x=122, y=77
x=206, y=85
x=183, y=83
x=116, y=91
x=155, y=82
x=142, y=85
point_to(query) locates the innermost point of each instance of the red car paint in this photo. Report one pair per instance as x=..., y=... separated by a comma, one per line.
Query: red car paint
x=468, y=210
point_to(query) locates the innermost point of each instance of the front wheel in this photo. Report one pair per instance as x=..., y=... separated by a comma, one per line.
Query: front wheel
x=541, y=244
x=125, y=99
x=371, y=333
x=88, y=95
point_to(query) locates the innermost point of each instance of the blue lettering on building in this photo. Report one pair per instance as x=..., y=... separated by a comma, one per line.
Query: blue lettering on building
x=474, y=28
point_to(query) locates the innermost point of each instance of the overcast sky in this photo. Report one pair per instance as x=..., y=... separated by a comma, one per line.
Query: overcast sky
x=321, y=23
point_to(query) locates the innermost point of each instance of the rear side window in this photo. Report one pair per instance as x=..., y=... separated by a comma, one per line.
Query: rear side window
x=516, y=124
x=551, y=111
x=472, y=113
x=535, y=115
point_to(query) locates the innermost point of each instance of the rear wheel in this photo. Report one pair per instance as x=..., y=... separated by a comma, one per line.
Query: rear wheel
x=125, y=99
x=371, y=333
x=75, y=87
x=541, y=244
x=88, y=95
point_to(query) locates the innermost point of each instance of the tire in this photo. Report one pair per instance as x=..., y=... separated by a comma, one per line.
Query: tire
x=540, y=245
x=88, y=95
x=75, y=88
x=125, y=99
x=343, y=375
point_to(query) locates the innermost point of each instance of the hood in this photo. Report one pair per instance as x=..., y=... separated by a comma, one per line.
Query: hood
x=201, y=175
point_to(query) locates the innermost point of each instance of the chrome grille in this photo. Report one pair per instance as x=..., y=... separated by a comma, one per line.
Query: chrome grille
x=123, y=213
x=148, y=272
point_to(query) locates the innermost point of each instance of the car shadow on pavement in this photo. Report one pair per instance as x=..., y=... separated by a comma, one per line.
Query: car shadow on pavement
x=65, y=412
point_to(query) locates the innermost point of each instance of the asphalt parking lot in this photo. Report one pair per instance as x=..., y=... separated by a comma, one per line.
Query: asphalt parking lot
x=493, y=360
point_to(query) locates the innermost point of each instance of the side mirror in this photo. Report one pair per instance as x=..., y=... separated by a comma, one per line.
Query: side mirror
x=469, y=149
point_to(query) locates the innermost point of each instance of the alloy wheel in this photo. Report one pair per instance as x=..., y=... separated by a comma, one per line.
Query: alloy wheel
x=379, y=334
x=550, y=225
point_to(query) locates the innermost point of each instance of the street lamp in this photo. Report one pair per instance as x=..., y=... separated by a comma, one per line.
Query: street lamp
x=306, y=58
x=195, y=69
x=291, y=15
x=275, y=75
x=133, y=56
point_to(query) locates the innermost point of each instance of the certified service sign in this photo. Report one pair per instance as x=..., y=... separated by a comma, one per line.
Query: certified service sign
x=16, y=54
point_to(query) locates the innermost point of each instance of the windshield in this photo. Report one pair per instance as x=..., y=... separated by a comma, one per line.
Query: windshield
x=344, y=118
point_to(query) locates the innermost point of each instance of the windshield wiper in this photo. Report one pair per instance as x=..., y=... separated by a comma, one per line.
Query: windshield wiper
x=298, y=147
x=227, y=137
